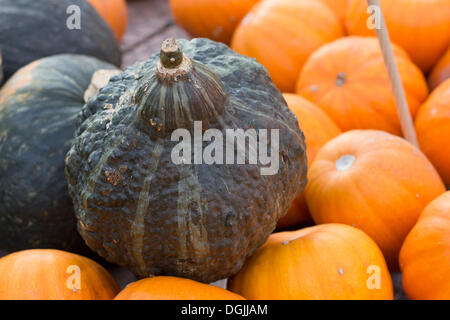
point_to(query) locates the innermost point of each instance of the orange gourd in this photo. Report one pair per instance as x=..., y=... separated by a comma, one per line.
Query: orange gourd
x=214, y=19
x=374, y=181
x=115, y=13
x=425, y=255
x=433, y=129
x=421, y=27
x=349, y=81
x=329, y=261
x=318, y=129
x=45, y=274
x=440, y=72
x=173, y=288
x=338, y=6
x=281, y=34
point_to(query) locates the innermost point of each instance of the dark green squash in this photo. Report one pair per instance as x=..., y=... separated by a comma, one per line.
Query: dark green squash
x=38, y=109
x=34, y=29
x=137, y=208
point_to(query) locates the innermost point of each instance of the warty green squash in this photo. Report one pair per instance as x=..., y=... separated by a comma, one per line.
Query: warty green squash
x=139, y=208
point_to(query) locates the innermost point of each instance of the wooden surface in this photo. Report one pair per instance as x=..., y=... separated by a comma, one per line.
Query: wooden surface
x=149, y=23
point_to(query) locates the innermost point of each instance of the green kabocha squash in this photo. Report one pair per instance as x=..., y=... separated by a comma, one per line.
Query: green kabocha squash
x=139, y=207
x=38, y=110
x=34, y=29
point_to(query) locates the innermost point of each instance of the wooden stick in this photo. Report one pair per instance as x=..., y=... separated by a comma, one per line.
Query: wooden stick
x=397, y=87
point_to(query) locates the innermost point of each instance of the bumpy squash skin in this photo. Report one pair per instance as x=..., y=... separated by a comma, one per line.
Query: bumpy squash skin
x=200, y=221
x=43, y=32
x=38, y=109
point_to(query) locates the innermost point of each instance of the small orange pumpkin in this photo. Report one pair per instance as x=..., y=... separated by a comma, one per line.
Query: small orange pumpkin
x=318, y=129
x=45, y=274
x=325, y=262
x=339, y=8
x=421, y=27
x=425, y=254
x=433, y=129
x=374, y=181
x=173, y=288
x=281, y=34
x=214, y=19
x=348, y=80
x=440, y=72
x=115, y=13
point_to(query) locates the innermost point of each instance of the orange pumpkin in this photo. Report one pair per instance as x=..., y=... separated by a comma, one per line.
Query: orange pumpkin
x=338, y=6
x=44, y=274
x=349, y=81
x=318, y=129
x=281, y=34
x=330, y=261
x=421, y=27
x=440, y=72
x=425, y=255
x=115, y=13
x=214, y=19
x=173, y=288
x=433, y=129
x=374, y=181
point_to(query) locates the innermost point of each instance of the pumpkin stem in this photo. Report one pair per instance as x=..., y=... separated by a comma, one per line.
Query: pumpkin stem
x=345, y=162
x=341, y=79
x=183, y=92
x=173, y=63
x=171, y=54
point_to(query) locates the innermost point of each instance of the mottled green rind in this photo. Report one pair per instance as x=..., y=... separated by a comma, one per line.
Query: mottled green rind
x=200, y=221
x=36, y=125
x=35, y=29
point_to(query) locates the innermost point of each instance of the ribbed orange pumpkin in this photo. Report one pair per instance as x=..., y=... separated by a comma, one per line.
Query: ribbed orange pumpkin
x=425, y=255
x=348, y=80
x=421, y=27
x=214, y=19
x=433, y=129
x=173, y=288
x=281, y=34
x=44, y=274
x=115, y=13
x=374, y=181
x=318, y=129
x=330, y=261
x=440, y=72
x=339, y=8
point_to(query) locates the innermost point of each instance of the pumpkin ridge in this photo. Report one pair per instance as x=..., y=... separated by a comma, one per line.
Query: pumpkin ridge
x=190, y=188
x=138, y=224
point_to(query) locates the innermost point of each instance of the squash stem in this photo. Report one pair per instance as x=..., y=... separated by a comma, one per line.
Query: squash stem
x=171, y=55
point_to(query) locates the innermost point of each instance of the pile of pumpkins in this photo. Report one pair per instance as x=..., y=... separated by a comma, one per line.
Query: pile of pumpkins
x=374, y=203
